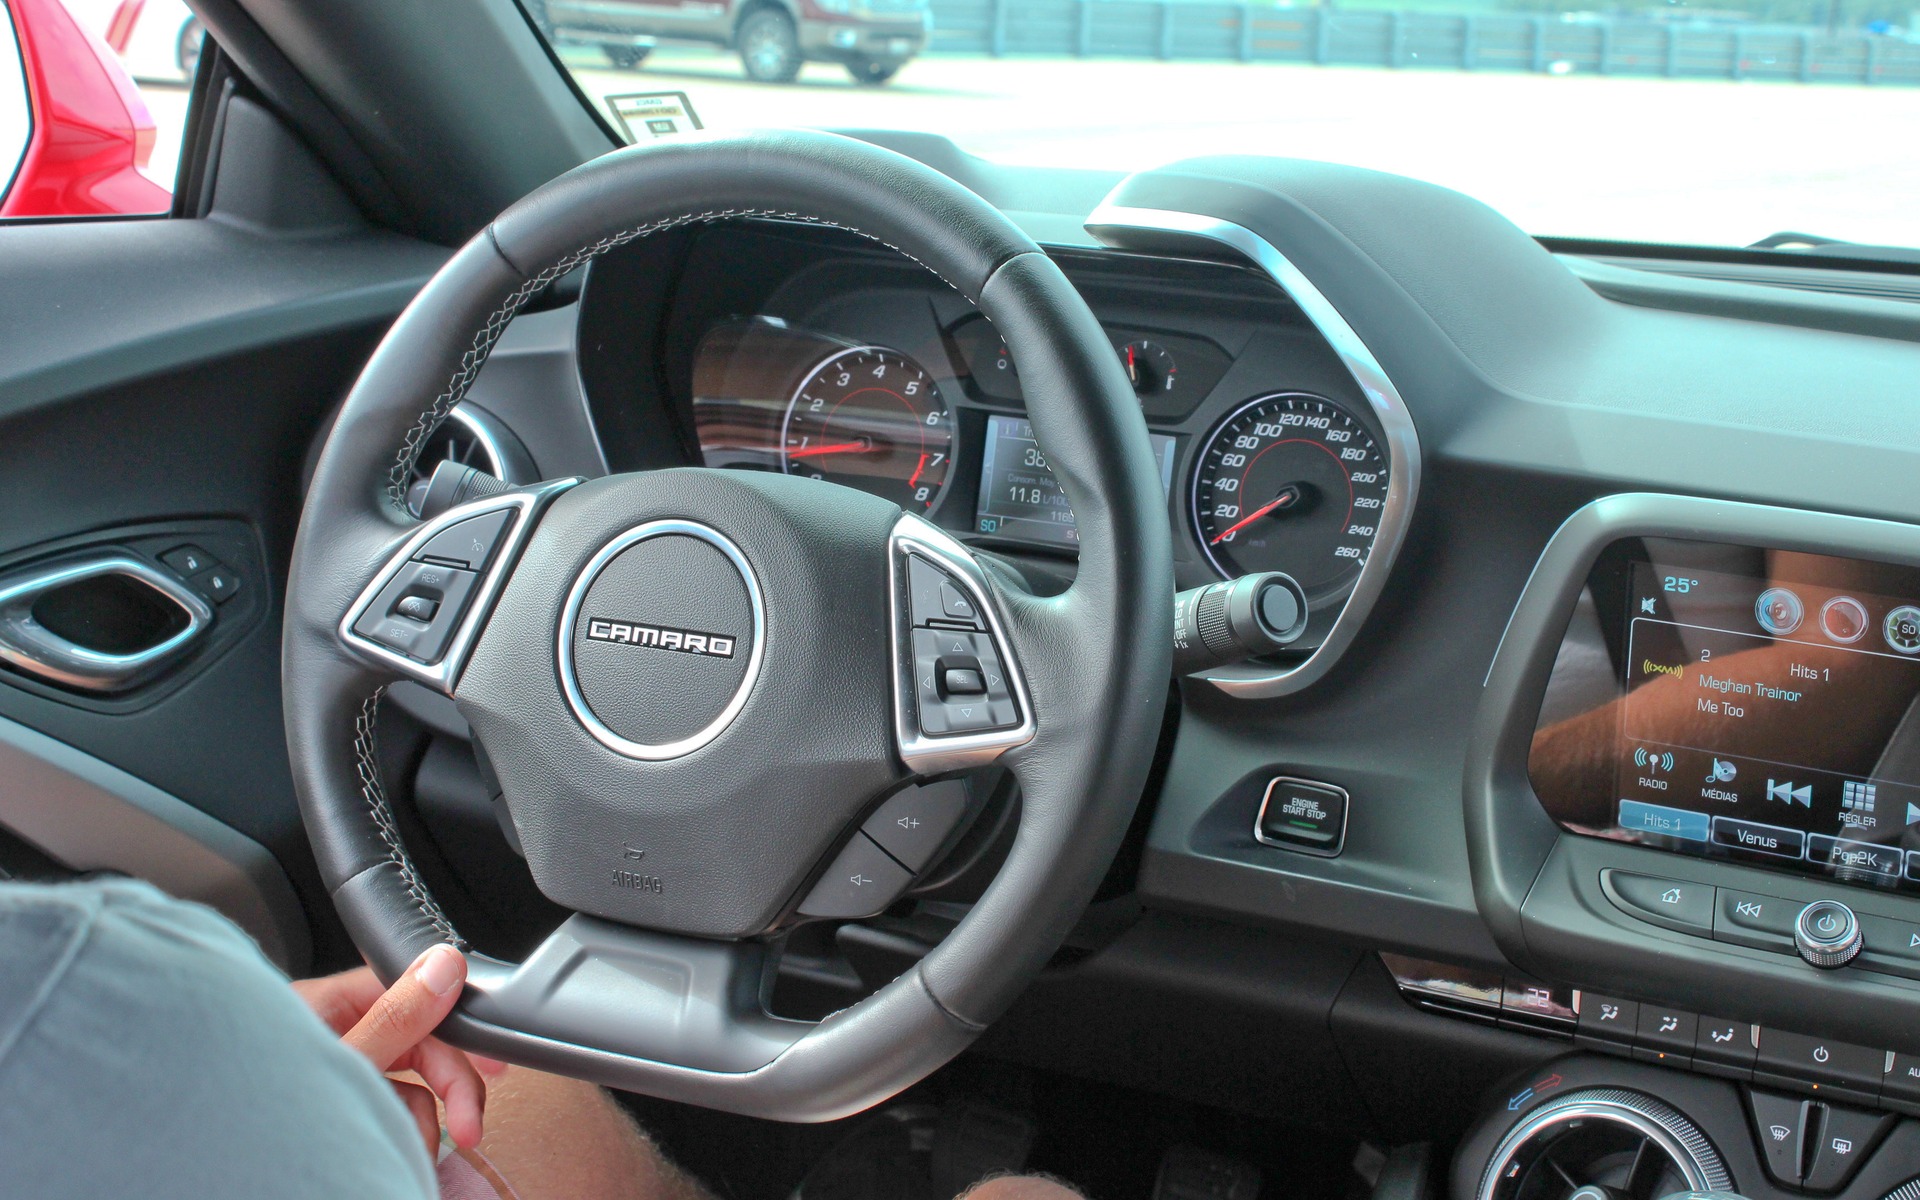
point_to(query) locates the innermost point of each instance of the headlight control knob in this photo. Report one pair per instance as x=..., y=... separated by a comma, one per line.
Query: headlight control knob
x=1826, y=934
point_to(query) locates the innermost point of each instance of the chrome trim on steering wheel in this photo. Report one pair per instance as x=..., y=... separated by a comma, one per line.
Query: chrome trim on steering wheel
x=443, y=675
x=925, y=754
x=570, y=617
x=1110, y=223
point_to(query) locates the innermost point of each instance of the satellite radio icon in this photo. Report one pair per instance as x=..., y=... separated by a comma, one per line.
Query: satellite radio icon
x=1655, y=760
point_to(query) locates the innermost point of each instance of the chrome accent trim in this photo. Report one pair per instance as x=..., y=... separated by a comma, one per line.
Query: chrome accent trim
x=570, y=615
x=1108, y=224
x=1657, y=1122
x=445, y=674
x=476, y=424
x=1346, y=811
x=922, y=753
x=40, y=652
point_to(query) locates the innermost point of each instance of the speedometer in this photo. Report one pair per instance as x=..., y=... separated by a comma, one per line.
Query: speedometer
x=1290, y=482
x=871, y=419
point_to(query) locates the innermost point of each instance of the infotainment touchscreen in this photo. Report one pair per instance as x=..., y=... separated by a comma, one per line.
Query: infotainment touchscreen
x=1744, y=703
x=1018, y=495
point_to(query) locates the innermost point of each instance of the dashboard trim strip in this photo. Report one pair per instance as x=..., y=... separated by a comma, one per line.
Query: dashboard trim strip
x=1111, y=224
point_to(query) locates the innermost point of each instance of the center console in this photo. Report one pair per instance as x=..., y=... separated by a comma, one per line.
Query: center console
x=1693, y=819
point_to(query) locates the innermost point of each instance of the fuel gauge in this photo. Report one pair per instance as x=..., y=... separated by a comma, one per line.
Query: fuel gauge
x=1150, y=367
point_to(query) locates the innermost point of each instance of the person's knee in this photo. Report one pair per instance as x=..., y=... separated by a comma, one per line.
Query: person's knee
x=1020, y=1187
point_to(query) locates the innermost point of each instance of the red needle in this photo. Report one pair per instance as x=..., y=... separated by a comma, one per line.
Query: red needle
x=835, y=448
x=1133, y=375
x=1286, y=497
x=917, y=468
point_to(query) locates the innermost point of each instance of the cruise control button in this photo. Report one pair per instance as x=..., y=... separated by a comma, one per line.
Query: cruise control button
x=1845, y=1139
x=426, y=641
x=1673, y=903
x=1780, y=1126
x=420, y=608
x=1795, y=1057
x=914, y=823
x=1665, y=1035
x=468, y=543
x=862, y=881
x=1747, y=919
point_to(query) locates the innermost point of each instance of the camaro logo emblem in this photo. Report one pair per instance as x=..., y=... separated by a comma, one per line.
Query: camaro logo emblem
x=627, y=633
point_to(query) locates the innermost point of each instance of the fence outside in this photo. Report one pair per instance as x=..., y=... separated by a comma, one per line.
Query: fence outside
x=1182, y=29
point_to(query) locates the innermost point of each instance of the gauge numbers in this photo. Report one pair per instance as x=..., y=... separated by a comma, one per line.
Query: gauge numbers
x=1291, y=482
x=871, y=419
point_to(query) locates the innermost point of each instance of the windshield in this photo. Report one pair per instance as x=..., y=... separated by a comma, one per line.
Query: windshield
x=1661, y=123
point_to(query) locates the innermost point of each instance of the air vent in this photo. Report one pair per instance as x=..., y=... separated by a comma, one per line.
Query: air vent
x=1603, y=1144
x=472, y=437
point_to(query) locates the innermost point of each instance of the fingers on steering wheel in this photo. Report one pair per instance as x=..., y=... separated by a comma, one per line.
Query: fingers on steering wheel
x=409, y=1011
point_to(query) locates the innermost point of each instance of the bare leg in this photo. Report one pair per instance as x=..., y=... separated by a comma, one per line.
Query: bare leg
x=1021, y=1187
x=552, y=1138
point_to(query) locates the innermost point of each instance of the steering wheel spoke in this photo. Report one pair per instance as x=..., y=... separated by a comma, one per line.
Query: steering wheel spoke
x=419, y=616
x=693, y=1002
x=960, y=697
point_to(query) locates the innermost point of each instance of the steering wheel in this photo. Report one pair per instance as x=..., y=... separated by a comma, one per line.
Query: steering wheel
x=695, y=685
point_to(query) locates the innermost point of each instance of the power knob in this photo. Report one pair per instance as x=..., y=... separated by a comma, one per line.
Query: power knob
x=1826, y=934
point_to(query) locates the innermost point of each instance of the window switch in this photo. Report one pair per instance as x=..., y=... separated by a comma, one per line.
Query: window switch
x=420, y=608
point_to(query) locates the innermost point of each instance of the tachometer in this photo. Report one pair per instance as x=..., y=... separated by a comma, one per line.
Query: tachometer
x=872, y=419
x=1290, y=482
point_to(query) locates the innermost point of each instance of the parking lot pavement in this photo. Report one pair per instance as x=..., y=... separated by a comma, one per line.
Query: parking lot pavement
x=1710, y=162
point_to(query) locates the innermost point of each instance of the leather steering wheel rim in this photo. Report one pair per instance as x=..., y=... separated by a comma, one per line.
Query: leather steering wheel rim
x=1095, y=659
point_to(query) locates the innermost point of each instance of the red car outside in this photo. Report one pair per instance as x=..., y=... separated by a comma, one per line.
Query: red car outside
x=89, y=132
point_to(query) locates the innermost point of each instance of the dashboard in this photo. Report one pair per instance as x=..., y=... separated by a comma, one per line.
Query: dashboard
x=1638, y=609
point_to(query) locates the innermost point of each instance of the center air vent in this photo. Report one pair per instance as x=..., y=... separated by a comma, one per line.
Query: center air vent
x=1603, y=1144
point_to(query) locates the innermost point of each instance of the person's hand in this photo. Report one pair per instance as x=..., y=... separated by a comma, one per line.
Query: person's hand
x=393, y=1028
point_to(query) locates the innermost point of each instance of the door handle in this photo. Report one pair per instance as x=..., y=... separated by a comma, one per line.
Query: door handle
x=30, y=646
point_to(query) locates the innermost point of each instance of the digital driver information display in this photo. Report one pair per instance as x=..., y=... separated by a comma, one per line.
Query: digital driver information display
x=1018, y=495
x=1771, y=721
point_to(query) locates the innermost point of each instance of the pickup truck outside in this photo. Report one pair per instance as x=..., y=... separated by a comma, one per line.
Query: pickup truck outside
x=873, y=39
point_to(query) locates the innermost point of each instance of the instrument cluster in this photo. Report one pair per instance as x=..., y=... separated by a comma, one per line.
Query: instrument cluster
x=1286, y=474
